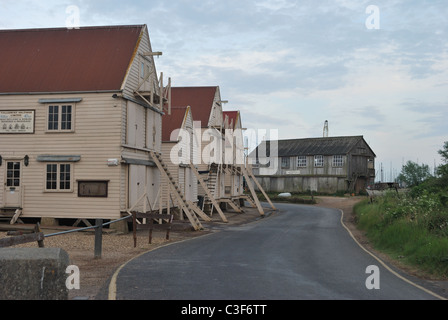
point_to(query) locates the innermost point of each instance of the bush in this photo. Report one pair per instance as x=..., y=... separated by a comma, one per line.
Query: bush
x=412, y=226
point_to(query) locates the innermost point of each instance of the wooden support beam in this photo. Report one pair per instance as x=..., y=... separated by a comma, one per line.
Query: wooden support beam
x=199, y=212
x=207, y=191
x=260, y=188
x=252, y=191
x=175, y=190
x=232, y=204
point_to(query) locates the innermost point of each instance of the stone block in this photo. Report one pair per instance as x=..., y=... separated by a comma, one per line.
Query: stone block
x=33, y=274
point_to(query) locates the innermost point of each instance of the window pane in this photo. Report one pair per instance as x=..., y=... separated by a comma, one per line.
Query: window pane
x=301, y=161
x=51, y=176
x=64, y=177
x=66, y=118
x=319, y=161
x=13, y=174
x=53, y=115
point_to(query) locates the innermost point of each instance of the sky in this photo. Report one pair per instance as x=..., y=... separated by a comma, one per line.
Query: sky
x=376, y=68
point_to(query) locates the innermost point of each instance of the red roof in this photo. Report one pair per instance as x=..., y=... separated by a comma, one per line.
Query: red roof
x=232, y=116
x=200, y=99
x=172, y=122
x=61, y=59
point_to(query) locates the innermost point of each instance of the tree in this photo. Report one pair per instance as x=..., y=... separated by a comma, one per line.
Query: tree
x=413, y=174
x=444, y=152
x=442, y=170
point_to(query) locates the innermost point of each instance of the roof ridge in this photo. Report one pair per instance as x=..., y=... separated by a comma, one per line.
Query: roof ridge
x=69, y=29
x=316, y=138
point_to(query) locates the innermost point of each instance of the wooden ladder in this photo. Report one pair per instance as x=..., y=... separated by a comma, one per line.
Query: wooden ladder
x=180, y=198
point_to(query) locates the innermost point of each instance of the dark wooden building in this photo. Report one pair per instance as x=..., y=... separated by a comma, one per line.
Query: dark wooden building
x=324, y=165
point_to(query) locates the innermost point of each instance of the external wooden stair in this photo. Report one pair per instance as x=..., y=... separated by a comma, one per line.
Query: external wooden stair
x=190, y=209
x=209, y=194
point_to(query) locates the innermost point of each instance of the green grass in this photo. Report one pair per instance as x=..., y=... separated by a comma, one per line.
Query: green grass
x=407, y=234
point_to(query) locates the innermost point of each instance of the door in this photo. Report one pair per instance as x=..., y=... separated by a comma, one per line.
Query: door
x=188, y=184
x=137, y=184
x=13, y=184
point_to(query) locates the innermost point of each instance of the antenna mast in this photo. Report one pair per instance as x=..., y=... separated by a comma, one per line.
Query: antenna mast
x=326, y=129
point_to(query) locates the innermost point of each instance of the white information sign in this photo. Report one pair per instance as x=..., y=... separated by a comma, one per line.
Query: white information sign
x=17, y=121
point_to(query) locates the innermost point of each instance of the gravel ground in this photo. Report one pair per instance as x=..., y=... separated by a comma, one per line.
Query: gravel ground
x=117, y=248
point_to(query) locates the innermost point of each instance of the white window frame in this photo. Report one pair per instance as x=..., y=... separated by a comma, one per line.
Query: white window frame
x=318, y=160
x=338, y=160
x=58, y=188
x=301, y=162
x=59, y=118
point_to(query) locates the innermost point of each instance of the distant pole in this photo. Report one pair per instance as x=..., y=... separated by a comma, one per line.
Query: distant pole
x=98, y=238
x=325, y=134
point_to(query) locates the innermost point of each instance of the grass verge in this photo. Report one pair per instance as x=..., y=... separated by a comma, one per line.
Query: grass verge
x=410, y=232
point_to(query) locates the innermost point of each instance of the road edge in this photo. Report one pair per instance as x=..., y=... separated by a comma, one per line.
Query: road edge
x=384, y=264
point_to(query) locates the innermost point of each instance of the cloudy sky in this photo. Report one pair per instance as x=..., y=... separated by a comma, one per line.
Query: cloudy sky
x=376, y=68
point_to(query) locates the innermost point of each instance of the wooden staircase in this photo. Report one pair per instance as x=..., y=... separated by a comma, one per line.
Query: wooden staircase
x=211, y=182
x=11, y=214
x=186, y=206
x=209, y=195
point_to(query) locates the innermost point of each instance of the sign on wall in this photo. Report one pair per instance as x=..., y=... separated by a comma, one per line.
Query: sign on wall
x=17, y=121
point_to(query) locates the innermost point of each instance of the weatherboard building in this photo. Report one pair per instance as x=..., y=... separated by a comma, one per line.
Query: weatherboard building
x=324, y=165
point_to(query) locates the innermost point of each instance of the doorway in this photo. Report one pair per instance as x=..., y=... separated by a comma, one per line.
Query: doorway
x=13, y=184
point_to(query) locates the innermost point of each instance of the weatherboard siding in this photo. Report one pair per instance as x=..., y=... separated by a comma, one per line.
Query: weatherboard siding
x=96, y=138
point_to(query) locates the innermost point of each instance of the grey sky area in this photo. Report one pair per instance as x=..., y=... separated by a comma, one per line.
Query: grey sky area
x=372, y=68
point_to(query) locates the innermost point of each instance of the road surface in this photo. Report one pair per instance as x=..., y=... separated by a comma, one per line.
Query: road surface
x=297, y=253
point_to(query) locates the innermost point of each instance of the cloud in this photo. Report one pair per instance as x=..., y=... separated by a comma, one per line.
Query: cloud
x=293, y=64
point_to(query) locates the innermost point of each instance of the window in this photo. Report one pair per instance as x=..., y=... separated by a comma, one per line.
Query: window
x=13, y=174
x=142, y=70
x=301, y=161
x=66, y=118
x=338, y=161
x=319, y=161
x=53, y=117
x=60, y=118
x=285, y=162
x=59, y=177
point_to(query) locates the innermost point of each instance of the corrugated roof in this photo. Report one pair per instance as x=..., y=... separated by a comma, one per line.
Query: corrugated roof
x=314, y=146
x=172, y=122
x=61, y=59
x=200, y=99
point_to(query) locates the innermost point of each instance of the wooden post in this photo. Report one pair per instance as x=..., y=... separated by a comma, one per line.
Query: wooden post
x=252, y=191
x=260, y=188
x=98, y=238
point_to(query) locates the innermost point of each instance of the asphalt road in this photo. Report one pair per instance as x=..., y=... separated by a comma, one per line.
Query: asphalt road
x=297, y=253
